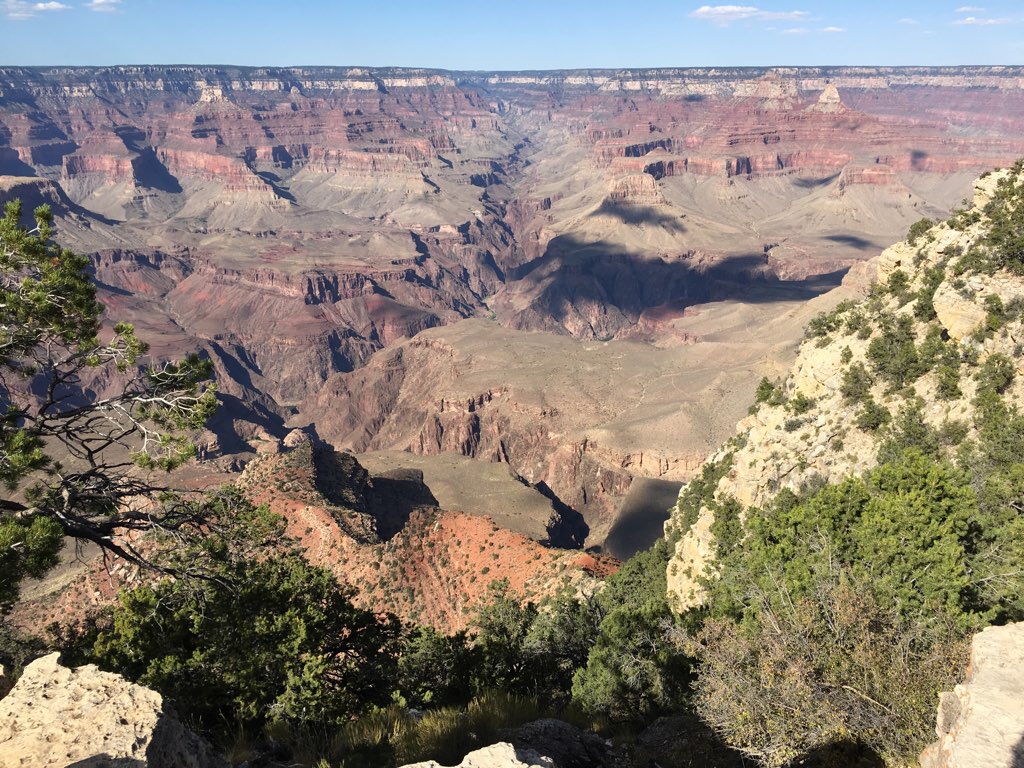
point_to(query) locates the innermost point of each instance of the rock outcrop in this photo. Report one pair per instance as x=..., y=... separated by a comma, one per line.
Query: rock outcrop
x=829, y=102
x=497, y=756
x=980, y=724
x=387, y=538
x=564, y=744
x=929, y=301
x=57, y=717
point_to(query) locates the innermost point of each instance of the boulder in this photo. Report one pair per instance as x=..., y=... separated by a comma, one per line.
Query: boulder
x=56, y=717
x=980, y=723
x=566, y=745
x=959, y=315
x=500, y=755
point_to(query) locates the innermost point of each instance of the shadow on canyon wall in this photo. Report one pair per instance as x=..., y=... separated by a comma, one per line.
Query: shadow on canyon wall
x=860, y=243
x=813, y=183
x=393, y=498
x=11, y=164
x=574, y=276
x=642, y=516
x=1018, y=755
x=629, y=213
x=569, y=530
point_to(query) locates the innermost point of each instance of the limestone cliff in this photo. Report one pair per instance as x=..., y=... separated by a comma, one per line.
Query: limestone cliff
x=979, y=723
x=911, y=354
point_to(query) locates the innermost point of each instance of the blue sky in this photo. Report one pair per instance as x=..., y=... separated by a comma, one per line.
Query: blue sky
x=510, y=34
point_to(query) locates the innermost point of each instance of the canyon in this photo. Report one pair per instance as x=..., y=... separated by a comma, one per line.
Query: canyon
x=580, y=276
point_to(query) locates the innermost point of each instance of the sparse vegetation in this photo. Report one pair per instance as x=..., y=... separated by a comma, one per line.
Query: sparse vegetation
x=898, y=551
x=918, y=230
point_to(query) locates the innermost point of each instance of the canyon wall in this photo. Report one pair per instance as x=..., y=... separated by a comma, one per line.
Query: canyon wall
x=300, y=224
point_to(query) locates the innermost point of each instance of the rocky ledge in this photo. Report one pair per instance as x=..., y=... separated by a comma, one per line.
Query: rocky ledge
x=57, y=717
x=979, y=723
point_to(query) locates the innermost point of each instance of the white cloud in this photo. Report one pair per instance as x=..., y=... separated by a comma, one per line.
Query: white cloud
x=832, y=29
x=969, y=9
x=727, y=14
x=22, y=9
x=104, y=6
x=795, y=31
x=974, y=21
x=912, y=22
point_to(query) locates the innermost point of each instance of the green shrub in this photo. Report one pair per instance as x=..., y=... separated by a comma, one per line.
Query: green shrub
x=918, y=230
x=898, y=286
x=434, y=669
x=872, y=415
x=924, y=307
x=799, y=404
x=996, y=373
x=856, y=384
x=769, y=392
x=908, y=430
x=893, y=354
x=828, y=322
x=699, y=492
x=632, y=670
x=948, y=373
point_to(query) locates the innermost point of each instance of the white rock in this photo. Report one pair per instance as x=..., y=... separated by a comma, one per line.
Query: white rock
x=981, y=723
x=57, y=717
x=500, y=755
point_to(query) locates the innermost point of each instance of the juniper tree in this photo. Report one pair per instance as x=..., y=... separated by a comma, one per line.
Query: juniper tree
x=76, y=463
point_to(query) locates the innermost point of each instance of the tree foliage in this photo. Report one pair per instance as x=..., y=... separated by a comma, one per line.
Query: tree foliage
x=435, y=669
x=72, y=461
x=274, y=638
x=833, y=665
x=634, y=668
x=840, y=615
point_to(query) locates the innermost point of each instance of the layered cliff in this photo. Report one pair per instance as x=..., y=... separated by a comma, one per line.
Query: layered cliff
x=294, y=222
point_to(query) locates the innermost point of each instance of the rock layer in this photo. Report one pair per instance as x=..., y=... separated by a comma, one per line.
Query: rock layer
x=293, y=222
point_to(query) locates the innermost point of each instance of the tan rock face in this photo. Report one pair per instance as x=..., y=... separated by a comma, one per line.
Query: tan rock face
x=959, y=314
x=57, y=717
x=829, y=102
x=779, y=447
x=980, y=723
x=497, y=756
